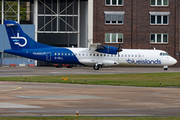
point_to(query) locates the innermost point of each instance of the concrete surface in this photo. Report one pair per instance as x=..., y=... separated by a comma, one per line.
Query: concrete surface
x=54, y=99
x=39, y=71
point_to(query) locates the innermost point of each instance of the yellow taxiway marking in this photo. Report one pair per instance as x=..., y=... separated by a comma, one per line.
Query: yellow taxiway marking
x=14, y=88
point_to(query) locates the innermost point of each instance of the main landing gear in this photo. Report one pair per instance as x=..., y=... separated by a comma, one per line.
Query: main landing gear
x=96, y=67
x=165, y=67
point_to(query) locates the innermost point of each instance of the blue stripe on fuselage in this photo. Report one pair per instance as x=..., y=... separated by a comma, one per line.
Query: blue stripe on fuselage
x=41, y=54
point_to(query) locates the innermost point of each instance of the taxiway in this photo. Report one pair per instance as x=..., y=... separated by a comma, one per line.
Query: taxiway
x=55, y=99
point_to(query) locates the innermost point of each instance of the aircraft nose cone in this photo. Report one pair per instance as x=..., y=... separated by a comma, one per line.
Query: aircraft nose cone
x=175, y=61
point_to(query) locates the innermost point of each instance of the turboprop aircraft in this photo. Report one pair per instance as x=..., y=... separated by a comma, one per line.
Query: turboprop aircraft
x=96, y=55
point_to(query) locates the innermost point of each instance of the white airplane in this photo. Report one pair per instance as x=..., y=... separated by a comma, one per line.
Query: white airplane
x=96, y=56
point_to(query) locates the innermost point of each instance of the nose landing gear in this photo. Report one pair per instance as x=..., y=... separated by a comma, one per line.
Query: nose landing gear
x=165, y=67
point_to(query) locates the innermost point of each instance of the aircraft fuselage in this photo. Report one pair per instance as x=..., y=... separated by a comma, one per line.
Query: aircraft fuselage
x=84, y=56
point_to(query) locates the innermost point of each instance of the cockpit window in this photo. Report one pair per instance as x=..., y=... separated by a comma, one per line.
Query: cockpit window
x=164, y=54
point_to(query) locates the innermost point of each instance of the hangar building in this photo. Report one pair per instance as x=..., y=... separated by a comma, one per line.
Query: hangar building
x=140, y=24
x=61, y=23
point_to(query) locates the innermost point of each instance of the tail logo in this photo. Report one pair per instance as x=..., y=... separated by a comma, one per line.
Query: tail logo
x=17, y=39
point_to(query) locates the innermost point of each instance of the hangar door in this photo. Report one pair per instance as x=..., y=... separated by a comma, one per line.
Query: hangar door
x=59, y=22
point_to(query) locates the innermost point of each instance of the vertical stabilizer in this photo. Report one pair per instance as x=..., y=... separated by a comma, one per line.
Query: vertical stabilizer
x=18, y=39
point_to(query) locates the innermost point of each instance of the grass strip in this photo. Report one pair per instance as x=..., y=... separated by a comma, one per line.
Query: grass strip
x=140, y=79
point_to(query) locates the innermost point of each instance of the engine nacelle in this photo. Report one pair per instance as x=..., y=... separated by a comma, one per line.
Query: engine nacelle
x=108, y=50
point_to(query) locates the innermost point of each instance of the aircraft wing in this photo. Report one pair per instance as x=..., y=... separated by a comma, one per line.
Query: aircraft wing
x=103, y=49
x=96, y=46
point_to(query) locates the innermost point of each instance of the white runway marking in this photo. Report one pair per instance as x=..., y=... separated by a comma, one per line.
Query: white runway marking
x=13, y=105
x=13, y=88
x=63, y=96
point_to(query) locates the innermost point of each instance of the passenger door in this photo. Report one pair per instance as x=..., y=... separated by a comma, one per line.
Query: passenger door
x=48, y=56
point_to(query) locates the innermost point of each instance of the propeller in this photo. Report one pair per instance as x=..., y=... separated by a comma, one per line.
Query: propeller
x=119, y=48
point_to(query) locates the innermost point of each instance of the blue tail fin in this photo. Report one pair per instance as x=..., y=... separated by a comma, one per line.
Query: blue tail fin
x=18, y=39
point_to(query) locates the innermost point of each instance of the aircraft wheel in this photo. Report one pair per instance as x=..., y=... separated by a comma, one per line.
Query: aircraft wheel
x=165, y=67
x=96, y=67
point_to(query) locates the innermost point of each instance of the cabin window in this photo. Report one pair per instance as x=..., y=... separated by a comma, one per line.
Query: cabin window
x=65, y=54
x=72, y=54
x=93, y=54
x=122, y=55
x=90, y=54
x=58, y=53
x=76, y=54
x=79, y=54
x=125, y=55
x=107, y=55
x=68, y=54
x=101, y=54
x=83, y=54
x=164, y=54
x=61, y=53
x=128, y=55
x=55, y=53
x=132, y=55
x=104, y=55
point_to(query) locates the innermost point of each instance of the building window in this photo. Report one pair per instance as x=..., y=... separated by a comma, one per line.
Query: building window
x=159, y=38
x=114, y=2
x=113, y=37
x=114, y=17
x=159, y=18
x=23, y=15
x=159, y=2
